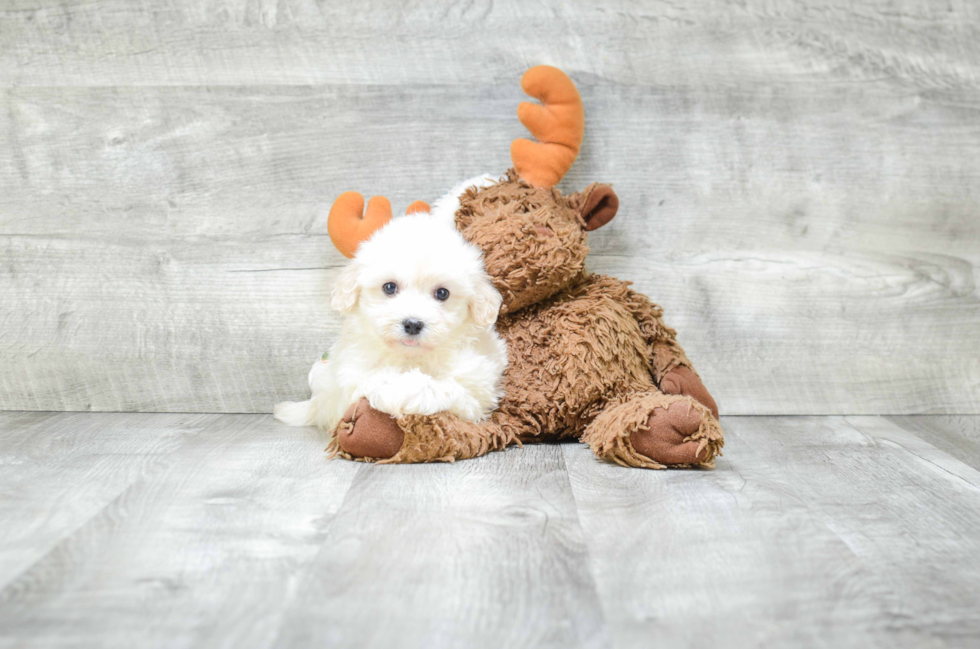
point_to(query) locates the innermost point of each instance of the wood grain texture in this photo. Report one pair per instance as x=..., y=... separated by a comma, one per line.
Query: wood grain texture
x=203, y=552
x=477, y=554
x=956, y=436
x=249, y=536
x=227, y=42
x=798, y=182
x=58, y=471
x=812, y=531
x=181, y=531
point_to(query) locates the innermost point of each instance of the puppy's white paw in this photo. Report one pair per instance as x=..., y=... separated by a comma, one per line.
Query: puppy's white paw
x=443, y=396
x=388, y=392
x=387, y=404
x=412, y=393
x=427, y=401
x=468, y=408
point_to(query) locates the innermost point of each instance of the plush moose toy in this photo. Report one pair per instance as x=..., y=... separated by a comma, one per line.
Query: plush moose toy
x=589, y=358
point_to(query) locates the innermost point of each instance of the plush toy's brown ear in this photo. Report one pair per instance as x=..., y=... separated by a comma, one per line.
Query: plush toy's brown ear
x=599, y=207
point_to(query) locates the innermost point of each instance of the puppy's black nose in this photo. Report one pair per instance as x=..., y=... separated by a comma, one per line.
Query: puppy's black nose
x=413, y=326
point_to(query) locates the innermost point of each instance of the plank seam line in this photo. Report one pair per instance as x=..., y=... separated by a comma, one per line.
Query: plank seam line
x=879, y=441
x=585, y=544
x=160, y=466
x=286, y=603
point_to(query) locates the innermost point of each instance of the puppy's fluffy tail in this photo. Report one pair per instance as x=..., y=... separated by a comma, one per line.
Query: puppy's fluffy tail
x=295, y=413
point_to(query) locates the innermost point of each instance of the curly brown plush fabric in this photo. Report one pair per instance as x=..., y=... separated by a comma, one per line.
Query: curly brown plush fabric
x=536, y=223
x=686, y=433
x=439, y=438
x=589, y=357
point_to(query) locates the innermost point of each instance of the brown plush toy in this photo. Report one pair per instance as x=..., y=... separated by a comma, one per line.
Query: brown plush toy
x=589, y=357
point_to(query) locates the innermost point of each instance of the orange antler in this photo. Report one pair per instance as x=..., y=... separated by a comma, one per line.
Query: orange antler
x=346, y=225
x=417, y=206
x=558, y=124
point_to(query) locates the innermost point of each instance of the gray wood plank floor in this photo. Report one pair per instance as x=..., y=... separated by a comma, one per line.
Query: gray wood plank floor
x=168, y=530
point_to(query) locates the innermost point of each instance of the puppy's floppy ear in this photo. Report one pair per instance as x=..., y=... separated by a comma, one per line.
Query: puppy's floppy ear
x=486, y=302
x=346, y=290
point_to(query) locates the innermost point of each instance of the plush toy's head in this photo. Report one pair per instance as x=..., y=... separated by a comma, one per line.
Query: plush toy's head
x=533, y=238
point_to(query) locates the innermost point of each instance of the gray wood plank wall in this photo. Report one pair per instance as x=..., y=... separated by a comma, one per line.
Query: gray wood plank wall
x=800, y=184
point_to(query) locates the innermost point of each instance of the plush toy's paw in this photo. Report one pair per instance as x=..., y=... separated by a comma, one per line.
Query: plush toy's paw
x=369, y=433
x=662, y=440
x=681, y=380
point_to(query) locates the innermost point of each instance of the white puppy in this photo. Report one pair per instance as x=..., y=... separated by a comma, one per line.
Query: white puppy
x=417, y=335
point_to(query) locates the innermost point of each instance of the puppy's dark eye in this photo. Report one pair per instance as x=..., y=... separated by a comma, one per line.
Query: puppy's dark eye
x=442, y=294
x=390, y=288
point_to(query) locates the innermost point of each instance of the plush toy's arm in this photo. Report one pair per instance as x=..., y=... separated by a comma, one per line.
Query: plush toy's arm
x=445, y=437
x=672, y=370
x=665, y=352
x=371, y=435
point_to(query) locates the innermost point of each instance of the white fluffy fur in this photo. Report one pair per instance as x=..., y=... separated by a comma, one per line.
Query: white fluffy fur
x=445, y=207
x=458, y=360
